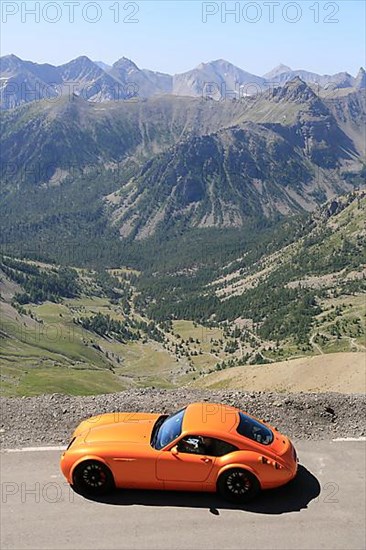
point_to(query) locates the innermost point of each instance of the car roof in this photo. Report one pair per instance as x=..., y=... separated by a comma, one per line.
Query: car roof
x=210, y=417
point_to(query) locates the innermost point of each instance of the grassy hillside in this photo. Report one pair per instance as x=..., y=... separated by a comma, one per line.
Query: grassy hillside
x=283, y=298
x=338, y=372
x=46, y=347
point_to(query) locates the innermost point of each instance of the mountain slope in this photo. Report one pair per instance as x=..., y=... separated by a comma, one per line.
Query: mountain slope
x=301, y=292
x=217, y=180
x=325, y=251
x=250, y=170
x=350, y=115
x=22, y=82
x=144, y=167
x=334, y=372
x=73, y=133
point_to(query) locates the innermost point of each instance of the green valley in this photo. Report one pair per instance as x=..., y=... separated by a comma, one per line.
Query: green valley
x=84, y=331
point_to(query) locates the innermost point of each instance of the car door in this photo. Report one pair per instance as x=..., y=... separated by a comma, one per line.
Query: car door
x=134, y=466
x=184, y=468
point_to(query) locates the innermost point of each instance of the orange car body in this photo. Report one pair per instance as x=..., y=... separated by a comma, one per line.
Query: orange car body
x=122, y=441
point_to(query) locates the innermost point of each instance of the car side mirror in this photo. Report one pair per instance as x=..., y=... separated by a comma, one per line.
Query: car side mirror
x=174, y=450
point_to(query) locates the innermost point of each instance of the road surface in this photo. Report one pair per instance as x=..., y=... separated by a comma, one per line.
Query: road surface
x=323, y=509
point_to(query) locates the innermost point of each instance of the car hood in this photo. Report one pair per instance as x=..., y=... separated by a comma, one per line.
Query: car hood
x=122, y=427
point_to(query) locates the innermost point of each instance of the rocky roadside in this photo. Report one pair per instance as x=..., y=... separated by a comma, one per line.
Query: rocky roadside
x=50, y=419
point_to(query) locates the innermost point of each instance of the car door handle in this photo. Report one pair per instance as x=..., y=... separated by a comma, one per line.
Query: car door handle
x=206, y=460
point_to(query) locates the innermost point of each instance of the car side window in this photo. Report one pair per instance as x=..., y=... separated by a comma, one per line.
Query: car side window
x=223, y=447
x=202, y=445
x=190, y=444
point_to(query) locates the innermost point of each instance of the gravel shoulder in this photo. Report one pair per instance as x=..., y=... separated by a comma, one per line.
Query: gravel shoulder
x=50, y=419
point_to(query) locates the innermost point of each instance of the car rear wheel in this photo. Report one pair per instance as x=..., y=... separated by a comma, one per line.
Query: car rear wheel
x=238, y=485
x=92, y=478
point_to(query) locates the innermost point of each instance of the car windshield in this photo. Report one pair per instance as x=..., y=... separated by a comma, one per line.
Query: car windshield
x=248, y=427
x=167, y=429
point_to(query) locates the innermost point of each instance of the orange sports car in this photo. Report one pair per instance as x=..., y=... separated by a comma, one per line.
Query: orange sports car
x=203, y=447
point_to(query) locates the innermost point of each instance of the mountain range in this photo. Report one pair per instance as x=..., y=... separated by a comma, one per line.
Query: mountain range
x=24, y=81
x=176, y=209
x=167, y=164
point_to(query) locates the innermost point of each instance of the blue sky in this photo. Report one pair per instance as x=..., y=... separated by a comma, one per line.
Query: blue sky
x=174, y=36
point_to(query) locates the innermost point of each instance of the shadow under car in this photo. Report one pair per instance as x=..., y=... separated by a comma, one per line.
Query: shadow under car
x=292, y=497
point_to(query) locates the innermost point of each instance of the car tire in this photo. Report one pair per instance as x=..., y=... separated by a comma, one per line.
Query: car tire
x=92, y=477
x=238, y=485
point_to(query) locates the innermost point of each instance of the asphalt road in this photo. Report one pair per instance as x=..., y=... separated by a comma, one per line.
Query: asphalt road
x=323, y=508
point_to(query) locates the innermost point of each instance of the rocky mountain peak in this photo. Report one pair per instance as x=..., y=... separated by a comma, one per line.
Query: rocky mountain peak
x=360, y=82
x=125, y=64
x=10, y=62
x=221, y=63
x=80, y=67
x=280, y=69
x=217, y=65
x=81, y=60
x=295, y=90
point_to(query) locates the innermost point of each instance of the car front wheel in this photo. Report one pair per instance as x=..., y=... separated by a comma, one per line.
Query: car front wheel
x=238, y=485
x=92, y=478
